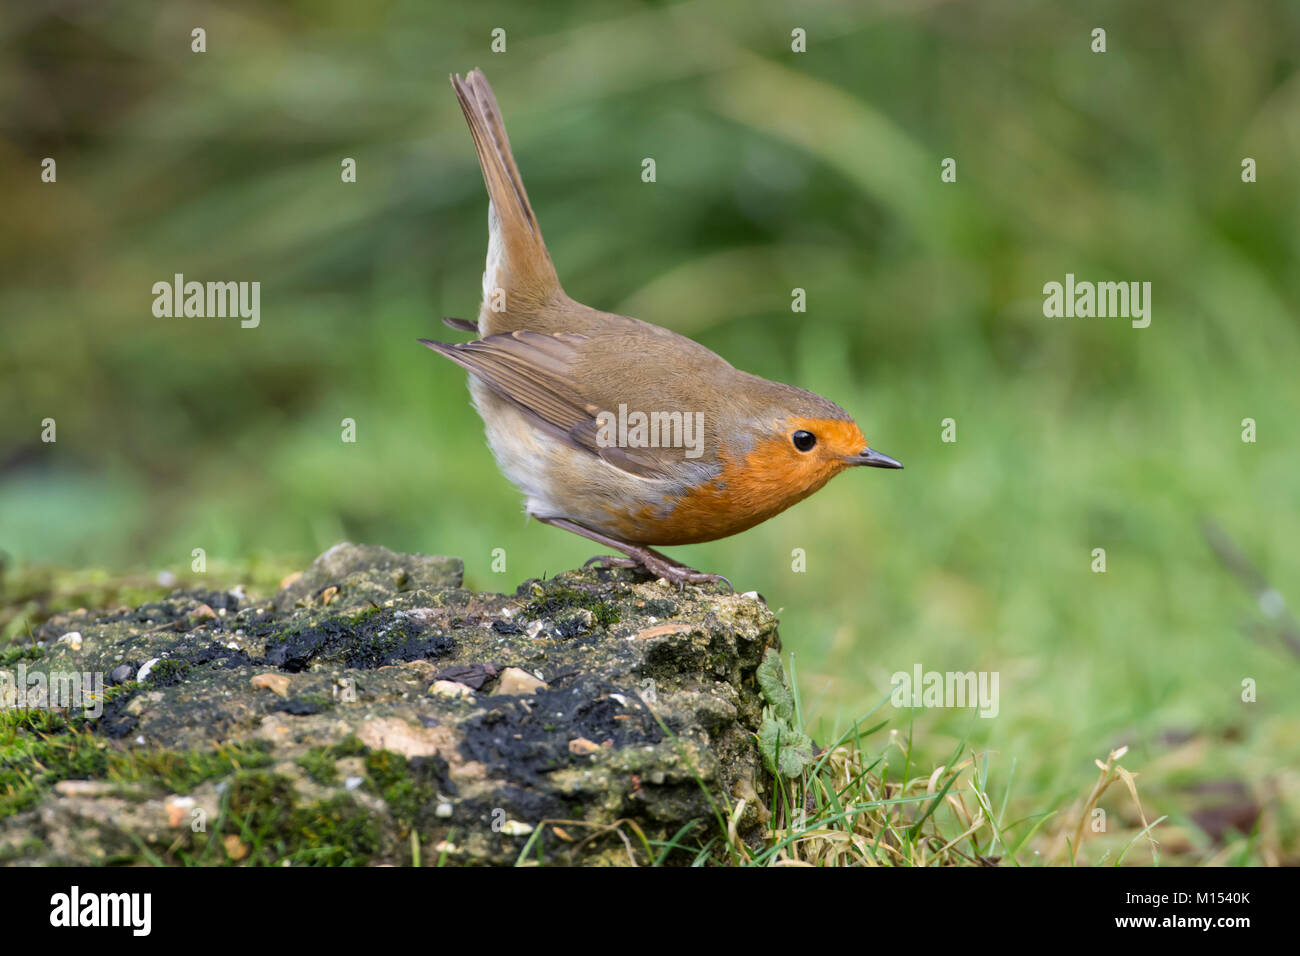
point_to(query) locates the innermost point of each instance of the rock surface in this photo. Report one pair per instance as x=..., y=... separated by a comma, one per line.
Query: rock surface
x=373, y=711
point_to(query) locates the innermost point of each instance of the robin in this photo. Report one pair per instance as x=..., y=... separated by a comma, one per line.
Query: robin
x=615, y=429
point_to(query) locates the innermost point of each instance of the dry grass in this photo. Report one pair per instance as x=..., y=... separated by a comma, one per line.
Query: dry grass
x=863, y=807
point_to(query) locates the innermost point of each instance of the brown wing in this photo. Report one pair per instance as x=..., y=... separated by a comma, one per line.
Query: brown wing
x=534, y=371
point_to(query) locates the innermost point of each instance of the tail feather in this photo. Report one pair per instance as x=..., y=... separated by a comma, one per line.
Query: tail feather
x=518, y=265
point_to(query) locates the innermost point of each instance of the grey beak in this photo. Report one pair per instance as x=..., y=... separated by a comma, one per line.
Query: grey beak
x=875, y=459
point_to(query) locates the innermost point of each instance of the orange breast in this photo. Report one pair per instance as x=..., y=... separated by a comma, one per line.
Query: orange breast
x=747, y=492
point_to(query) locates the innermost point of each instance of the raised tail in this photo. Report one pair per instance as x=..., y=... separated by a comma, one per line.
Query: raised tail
x=519, y=277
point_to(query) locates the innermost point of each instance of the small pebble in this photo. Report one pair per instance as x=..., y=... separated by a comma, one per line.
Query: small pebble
x=519, y=682
x=277, y=684
x=178, y=809
x=451, y=688
x=83, y=788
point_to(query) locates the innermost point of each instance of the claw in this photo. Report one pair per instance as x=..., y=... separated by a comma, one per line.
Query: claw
x=681, y=575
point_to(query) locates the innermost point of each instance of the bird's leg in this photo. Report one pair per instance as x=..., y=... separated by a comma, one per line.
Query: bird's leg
x=639, y=556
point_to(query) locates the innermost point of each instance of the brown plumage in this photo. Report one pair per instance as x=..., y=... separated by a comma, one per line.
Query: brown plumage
x=559, y=386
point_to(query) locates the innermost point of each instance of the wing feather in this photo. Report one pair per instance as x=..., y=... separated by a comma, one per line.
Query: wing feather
x=534, y=371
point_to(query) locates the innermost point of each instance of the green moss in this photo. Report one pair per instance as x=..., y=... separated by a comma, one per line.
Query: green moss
x=362, y=616
x=319, y=765
x=553, y=598
x=182, y=771
x=350, y=746
x=410, y=788
x=36, y=752
x=319, y=762
x=11, y=655
x=261, y=809
x=40, y=748
x=167, y=672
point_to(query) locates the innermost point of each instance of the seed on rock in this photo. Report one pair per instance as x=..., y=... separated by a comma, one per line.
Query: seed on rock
x=581, y=746
x=72, y=639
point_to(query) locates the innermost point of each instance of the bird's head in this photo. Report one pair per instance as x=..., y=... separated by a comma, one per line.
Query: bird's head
x=796, y=443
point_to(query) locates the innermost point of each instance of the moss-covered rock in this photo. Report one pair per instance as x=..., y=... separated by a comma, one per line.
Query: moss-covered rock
x=373, y=711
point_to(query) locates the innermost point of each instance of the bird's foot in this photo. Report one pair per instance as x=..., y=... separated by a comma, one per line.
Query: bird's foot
x=639, y=557
x=681, y=575
x=660, y=566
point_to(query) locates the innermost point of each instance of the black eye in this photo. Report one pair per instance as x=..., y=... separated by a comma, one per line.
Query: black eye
x=804, y=441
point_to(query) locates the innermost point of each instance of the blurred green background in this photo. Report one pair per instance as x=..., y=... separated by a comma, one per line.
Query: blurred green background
x=776, y=170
